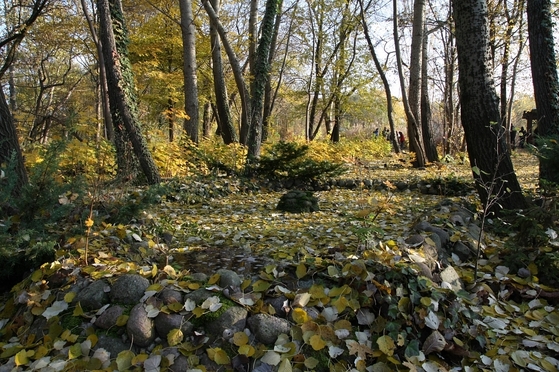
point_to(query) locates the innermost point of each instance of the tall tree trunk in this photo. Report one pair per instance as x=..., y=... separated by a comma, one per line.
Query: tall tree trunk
x=10, y=151
x=189, y=70
x=544, y=75
x=261, y=75
x=414, y=134
x=382, y=74
x=122, y=95
x=104, y=90
x=235, y=66
x=492, y=167
x=425, y=108
x=268, y=91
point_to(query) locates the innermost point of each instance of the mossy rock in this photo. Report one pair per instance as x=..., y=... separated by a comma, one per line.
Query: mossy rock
x=297, y=201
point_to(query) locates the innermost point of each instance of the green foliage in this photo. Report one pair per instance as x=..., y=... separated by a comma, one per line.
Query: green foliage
x=290, y=160
x=548, y=153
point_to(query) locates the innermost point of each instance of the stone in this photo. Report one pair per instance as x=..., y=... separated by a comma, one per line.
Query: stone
x=524, y=273
x=415, y=240
x=128, y=289
x=445, y=237
x=233, y=319
x=279, y=304
x=462, y=251
x=297, y=201
x=450, y=276
x=94, y=296
x=164, y=323
x=267, y=328
x=169, y=295
x=140, y=328
x=229, y=278
x=199, y=295
x=109, y=317
x=179, y=361
x=111, y=344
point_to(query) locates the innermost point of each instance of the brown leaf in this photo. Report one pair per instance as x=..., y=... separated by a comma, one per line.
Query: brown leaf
x=434, y=343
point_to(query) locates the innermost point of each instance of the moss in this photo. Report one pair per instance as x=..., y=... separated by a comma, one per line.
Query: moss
x=210, y=317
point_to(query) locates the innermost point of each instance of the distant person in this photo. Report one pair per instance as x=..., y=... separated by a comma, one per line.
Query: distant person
x=522, y=138
x=386, y=133
x=513, y=137
x=401, y=140
x=376, y=132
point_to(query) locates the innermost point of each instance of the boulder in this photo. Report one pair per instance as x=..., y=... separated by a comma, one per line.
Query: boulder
x=297, y=201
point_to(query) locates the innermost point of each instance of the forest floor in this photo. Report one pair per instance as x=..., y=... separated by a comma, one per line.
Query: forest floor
x=498, y=322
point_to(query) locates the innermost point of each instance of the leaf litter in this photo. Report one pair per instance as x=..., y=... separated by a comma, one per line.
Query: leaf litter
x=378, y=310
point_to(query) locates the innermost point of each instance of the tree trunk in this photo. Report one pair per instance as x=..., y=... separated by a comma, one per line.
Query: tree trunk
x=189, y=70
x=492, y=167
x=414, y=133
x=544, y=75
x=261, y=75
x=10, y=151
x=235, y=66
x=104, y=94
x=122, y=95
x=385, y=83
x=425, y=108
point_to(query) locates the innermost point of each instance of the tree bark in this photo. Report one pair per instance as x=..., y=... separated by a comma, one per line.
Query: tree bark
x=425, y=106
x=261, y=76
x=414, y=133
x=191, y=105
x=120, y=79
x=544, y=75
x=10, y=151
x=234, y=62
x=492, y=167
x=385, y=83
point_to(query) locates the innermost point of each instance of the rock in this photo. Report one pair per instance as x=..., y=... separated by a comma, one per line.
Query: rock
x=94, y=296
x=139, y=327
x=422, y=226
x=462, y=251
x=233, y=319
x=199, y=295
x=279, y=304
x=297, y=201
x=111, y=344
x=199, y=277
x=401, y=186
x=415, y=240
x=524, y=273
x=179, y=361
x=457, y=220
x=228, y=278
x=128, y=289
x=169, y=295
x=164, y=323
x=450, y=276
x=109, y=317
x=267, y=328
x=445, y=237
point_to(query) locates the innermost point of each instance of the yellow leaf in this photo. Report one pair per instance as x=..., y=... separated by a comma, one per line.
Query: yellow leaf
x=213, y=279
x=37, y=275
x=174, y=337
x=88, y=222
x=154, y=271
x=69, y=297
x=301, y=270
x=124, y=360
x=154, y=287
x=386, y=345
x=198, y=312
x=175, y=306
x=300, y=316
x=75, y=351
x=122, y=320
x=285, y=366
x=78, y=311
x=311, y=362
x=21, y=358
x=240, y=338
x=317, y=342
x=218, y=355
x=260, y=285
x=93, y=339
x=364, y=213
x=247, y=350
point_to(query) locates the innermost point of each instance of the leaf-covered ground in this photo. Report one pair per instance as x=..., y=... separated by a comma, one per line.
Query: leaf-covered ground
x=378, y=311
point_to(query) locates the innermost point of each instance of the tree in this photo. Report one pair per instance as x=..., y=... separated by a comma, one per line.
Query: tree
x=544, y=75
x=224, y=120
x=414, y=133
x=21, y=17
x=190, y=80
x=487, y=150
x=122, y=95
x=261, y=76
